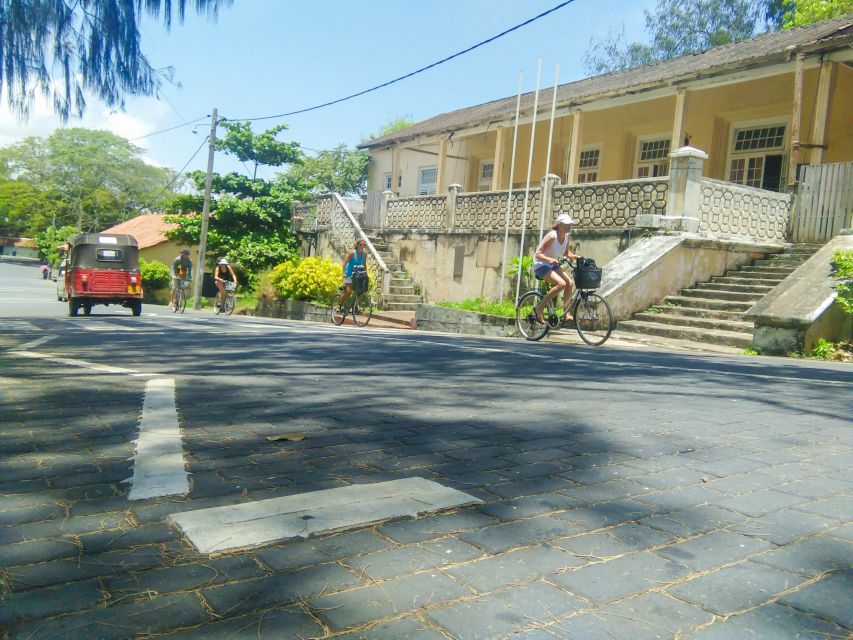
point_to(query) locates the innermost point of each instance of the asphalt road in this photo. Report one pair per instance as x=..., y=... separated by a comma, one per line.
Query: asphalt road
x=624, y=494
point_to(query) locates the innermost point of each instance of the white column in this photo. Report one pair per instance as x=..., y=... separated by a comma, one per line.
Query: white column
x=499, y=159
x=575, y=148
x=680, y=123
x=440, y=177
x=828, y=71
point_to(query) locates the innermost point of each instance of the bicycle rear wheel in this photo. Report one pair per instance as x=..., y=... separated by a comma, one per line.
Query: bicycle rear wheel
x=362, y=309
x=180, y=301
x=229, y=304
x=593, y=319
x=339, y=314
x=525, y=317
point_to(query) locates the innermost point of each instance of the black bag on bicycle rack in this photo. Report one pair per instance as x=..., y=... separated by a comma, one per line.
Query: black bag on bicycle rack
x=360, y=281
x=587, y=274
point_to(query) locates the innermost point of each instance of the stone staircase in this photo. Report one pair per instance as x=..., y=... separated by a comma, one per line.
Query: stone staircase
x=402, y=296
x=712, y=312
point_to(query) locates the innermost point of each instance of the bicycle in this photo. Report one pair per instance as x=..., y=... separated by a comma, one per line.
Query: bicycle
x=593, y=319
x=229, y=300
x=181, y=295
x=360, y=305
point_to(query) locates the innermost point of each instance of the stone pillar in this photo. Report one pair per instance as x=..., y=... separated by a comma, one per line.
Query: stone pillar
x=546, y=208
x=383, y=207
x=452, y=193
x=497, y=172
x=679, y=123
x=441, y=178
x=682, y=198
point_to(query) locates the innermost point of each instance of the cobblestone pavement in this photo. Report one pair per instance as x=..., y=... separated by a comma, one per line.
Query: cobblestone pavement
x=626, y=494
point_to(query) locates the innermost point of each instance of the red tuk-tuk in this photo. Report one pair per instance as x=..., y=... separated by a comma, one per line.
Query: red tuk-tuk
x=103, y=268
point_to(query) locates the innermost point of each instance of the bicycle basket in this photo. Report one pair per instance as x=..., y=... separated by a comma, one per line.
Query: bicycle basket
x=587, y=274
x=185, y=284
x=360, y=281
x=230, y=286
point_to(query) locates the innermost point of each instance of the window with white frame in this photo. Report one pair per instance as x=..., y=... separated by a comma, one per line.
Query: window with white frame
x=652, y=157
x=386, y=181
x=487, y=170
x=588, y=164
x=427, y=177
x=757, y=156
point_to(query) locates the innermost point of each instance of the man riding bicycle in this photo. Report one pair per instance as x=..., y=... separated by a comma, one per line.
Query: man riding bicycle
x=182, y=269
x=355, y=258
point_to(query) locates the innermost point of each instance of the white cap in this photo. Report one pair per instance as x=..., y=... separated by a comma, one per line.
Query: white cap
x=222, y=261
x=565, y=218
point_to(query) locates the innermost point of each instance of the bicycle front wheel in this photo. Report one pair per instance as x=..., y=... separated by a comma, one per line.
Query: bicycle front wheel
x=525, y=317
x=339, y=314
x=593, y=319
x=362, y=309
x=229, y=304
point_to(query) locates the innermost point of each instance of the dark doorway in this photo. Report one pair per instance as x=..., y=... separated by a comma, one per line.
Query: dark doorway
x=772, y=178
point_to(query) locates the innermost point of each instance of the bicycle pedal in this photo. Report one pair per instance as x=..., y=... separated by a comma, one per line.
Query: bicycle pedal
x=553, y=321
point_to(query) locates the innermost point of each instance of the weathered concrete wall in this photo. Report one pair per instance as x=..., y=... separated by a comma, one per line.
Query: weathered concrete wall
x=433, y=318
x=429, y=257
x=662, y=265
x=292, y=309
x=802, y=307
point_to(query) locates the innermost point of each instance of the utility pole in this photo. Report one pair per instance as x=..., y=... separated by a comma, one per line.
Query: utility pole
x=205, y=215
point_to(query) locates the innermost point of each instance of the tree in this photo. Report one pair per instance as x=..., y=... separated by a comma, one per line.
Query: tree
x=342, y=170
x=90, y=179
x=91, y=45
x=48, y=242
x=393, y=125
x=803, y=12
x=249, y=217
x=23, y=208
x=261, y=148
x=677, y=27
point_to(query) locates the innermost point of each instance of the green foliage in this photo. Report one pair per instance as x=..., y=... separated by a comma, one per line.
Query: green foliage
x=60, y=48
x=749, y=351
x=340, y=170
x=526, y=270
x=678, y=27
x=310, y=279
x=842, y=269
x=392, y=126
x=155, y=274
x=505, y=309
x=823, y=350
x=81, y=177
x=257, y=148
x=802, y=12
x=48, y=242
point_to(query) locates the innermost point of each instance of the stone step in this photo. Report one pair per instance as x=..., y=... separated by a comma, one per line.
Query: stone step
x=401, y=291
x=736, y=287
x=737, y=339
x=757, y=268
x=408, y=299
x=752, y=298
x=708, y=303
x=740, y=279
x=739, y=326
x=698, y=312
x=400, y=306
x=750, y=274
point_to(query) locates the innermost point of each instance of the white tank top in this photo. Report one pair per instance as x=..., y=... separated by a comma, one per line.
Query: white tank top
x=555, y=250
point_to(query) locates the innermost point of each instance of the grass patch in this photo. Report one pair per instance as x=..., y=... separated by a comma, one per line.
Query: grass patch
x=749, y=351
x=505, y=309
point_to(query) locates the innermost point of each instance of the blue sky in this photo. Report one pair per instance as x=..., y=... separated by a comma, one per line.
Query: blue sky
x=264, y=57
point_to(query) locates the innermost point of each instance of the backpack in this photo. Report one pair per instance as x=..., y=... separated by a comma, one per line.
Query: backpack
x=360, y=280
x=587, y=274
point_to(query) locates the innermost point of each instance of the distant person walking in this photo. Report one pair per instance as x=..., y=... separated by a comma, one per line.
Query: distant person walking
x=45, y=271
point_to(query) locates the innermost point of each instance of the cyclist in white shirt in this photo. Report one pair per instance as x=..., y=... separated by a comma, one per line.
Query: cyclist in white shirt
x=546, y=265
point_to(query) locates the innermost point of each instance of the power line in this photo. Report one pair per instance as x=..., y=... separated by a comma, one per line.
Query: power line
x=413, y=73
x=178, y=174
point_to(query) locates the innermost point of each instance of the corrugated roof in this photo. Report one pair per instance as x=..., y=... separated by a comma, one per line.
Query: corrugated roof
x=149, y=229
x=769, y=48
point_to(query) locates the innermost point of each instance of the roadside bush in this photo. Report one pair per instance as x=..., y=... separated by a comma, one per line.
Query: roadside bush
x=155, y=274
x=505, y=309
x=311, y=279
x=842, y=269
x=281, y=272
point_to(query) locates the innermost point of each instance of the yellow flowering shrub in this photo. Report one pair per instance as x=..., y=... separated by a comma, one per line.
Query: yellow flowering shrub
x=310, y=279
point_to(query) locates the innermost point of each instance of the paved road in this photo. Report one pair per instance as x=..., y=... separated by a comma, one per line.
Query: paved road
x=625, y=494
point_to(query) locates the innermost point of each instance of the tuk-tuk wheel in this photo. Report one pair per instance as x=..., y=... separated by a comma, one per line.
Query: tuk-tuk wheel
x=136, y=307
x=73, y=306
x=87, y=308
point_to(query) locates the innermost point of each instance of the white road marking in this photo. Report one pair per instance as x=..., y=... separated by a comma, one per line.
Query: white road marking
x=298, y=516
x=106, y=326
x=158, y=468
x=103, y=368
x=34, y=343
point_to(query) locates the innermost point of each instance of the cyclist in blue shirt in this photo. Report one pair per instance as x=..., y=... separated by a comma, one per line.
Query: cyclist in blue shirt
x=356, y=257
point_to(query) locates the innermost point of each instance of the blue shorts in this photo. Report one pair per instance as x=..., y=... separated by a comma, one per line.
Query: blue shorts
x=543, y=270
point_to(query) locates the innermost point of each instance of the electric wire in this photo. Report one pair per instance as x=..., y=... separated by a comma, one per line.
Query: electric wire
x=413, y=73
x=177, y=175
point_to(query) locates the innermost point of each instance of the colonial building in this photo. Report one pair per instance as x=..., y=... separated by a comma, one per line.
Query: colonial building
x=759, y=108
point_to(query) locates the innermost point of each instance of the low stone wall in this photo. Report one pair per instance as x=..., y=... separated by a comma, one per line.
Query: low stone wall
x=292, y=310
x=433, y=318
x=802, y=308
